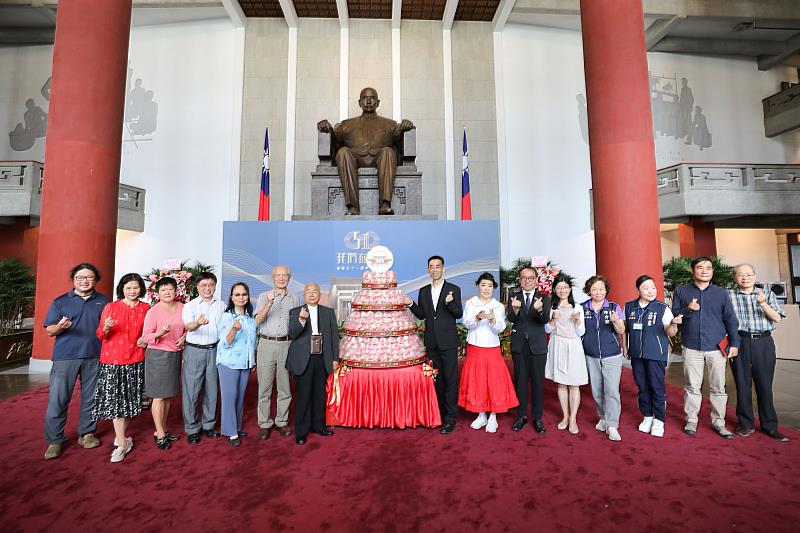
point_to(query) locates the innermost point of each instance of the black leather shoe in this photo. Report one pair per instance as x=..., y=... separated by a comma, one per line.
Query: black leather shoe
x=194, y=438
x=448, y=428
x=235, y=442
x=538, y=426
x=777, y=435
x=519, y=423
x=242, y=434
x=300, y=440
x=211, y=433
x=324, y=432
x=263, y=433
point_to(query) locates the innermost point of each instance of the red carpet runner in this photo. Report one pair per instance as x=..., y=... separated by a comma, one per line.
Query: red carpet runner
x=401, y=480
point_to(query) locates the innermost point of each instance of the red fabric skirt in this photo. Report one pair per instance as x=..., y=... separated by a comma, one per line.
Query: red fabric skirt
x=486, y=384
x=384, y=398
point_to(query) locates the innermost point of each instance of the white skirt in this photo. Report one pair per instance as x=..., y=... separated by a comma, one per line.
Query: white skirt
x=566, y=362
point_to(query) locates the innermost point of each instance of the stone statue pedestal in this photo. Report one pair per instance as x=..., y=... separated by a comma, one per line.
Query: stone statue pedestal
x=327, y=196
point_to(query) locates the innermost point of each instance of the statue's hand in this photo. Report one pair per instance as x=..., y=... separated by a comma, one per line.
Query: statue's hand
x=324, y=126
x=406, y=125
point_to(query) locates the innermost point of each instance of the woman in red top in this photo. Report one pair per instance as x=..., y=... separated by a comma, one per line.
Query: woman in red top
x=121, y=379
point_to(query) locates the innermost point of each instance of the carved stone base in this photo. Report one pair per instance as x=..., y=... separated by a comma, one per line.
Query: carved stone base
x=327, y=196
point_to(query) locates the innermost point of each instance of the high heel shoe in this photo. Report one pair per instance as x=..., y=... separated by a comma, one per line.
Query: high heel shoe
x=163, y=443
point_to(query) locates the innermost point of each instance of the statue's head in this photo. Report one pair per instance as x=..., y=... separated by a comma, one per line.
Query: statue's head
x=368, y=100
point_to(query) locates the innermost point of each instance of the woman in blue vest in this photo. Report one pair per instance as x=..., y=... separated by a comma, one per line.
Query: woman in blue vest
x=235, y=359
x=604, y=324
x=649, y=324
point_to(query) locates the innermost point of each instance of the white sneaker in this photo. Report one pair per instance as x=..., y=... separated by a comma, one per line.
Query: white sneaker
x=658, y=428
x=480, y=422
x=646, y=425
x=128, y=440
x=119, y=453
x=601, y=426
x=613, y=434
x=491, y=425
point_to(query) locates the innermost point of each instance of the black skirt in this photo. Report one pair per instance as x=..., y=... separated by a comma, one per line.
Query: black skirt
x=119, y=391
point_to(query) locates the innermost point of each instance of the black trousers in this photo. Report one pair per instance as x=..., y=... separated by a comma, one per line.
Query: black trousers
x=528, y=366
x=446, y=362
x=755, y=365
x=310, y=398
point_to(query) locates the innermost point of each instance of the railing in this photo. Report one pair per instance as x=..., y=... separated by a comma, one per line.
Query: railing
x=710, y=189
x=21, y=195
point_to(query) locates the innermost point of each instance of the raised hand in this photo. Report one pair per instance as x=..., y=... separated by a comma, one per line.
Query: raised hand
x=576, y=316
x=108, y=323
x=490, y=316
x=449, y=297
x=164, y=329
x=555, y=315
x=694, y=306
x=614, y=316
x=271, y=296
x=678, y=319
x=406, y=125
x=202, y=320
x=481, y=315
x=760, y=296
x=409, y=301
x=303, y=313
x=516, y=304
x=324, y=126
x=236, y=325
x=65, y=323
x=537, y=304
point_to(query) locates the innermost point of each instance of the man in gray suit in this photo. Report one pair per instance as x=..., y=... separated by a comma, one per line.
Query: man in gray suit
x=313, y=354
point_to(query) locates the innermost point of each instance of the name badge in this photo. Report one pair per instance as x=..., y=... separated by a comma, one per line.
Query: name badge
x=637, y=326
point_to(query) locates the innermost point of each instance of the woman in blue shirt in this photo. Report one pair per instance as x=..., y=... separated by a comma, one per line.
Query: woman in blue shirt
x=235, y=359
x=648, y=324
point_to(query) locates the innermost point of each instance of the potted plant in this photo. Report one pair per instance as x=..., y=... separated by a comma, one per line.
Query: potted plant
x=17, y=288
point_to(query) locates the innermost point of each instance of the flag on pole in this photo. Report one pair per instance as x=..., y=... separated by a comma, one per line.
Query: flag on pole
x=466, y=203
x=263, y=200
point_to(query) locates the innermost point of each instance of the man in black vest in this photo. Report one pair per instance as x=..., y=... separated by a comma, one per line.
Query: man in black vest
x=313, y=354
x=440, y=307
x=529, y=311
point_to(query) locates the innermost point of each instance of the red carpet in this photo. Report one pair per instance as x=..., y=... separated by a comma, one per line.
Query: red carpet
x=401, y=480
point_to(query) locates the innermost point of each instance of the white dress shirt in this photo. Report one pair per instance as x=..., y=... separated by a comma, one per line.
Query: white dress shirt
x=436, y=291
x=213, y=310
x=481, y=332
x=313, y=313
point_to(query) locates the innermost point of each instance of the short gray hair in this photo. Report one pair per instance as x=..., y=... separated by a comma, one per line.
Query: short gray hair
x=740, y=265
x=276, y=267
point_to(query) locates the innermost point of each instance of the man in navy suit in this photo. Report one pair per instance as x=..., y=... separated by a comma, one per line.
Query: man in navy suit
x=440, y=306
x=529, y=311
x=313, y=354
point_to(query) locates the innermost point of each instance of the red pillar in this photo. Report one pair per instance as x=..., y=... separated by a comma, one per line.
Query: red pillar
x=627, y=236
x=84, y=137
x=697, y=238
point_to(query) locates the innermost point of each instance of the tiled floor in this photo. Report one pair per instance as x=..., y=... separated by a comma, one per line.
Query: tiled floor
x=785, y=389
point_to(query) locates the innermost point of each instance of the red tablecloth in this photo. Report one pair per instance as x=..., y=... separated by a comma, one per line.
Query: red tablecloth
x=385, y=398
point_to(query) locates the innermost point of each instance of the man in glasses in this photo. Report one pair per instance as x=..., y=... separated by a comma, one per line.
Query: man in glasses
x=73, y=319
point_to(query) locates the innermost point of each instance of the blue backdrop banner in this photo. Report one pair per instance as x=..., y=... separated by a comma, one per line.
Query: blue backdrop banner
x=333, y=254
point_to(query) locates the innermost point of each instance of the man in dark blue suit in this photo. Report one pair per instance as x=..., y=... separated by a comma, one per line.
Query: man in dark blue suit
x=529, y=311
x=440, y=306
x=313, y=354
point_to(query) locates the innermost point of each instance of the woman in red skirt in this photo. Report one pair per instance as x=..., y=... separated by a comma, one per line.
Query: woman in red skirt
x=486, y=387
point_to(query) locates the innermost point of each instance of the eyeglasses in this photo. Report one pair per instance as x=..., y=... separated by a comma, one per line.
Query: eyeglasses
x=84, y=278
x=527, y=278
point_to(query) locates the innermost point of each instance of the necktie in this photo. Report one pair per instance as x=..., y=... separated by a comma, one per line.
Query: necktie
x=527, y=301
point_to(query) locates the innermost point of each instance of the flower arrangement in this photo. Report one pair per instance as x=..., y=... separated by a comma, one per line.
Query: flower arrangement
x=184, y=276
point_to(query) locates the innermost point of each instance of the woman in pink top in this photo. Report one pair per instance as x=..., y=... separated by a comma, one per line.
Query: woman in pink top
x=164, y=334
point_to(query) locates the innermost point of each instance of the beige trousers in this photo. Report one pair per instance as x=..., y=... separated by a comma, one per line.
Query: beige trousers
x=271, y=366
x=693, y=363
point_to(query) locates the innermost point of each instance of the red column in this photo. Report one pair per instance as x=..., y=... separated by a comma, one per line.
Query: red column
x=697, y=238
x=84, y=136
x=627, y=236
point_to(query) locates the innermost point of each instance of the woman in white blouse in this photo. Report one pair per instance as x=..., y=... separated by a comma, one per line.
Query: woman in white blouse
x=486, y=385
